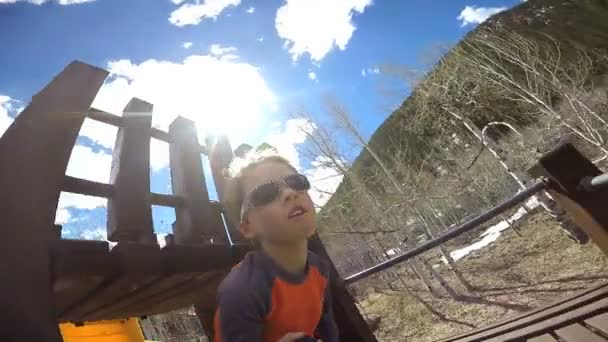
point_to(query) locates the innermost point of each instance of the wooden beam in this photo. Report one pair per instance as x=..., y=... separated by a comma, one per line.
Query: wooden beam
x=220, y=157
x=350, y=323
x=167, y=200
x=129, y=209
x=105, y=117
x=196, y=221
x=87, y=187
x=567, y=169
x=34, y=154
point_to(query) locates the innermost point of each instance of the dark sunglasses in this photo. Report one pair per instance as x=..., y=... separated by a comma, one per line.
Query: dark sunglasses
x=268, y=192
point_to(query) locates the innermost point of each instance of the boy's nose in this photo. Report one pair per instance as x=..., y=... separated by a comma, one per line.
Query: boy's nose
x=288, y=194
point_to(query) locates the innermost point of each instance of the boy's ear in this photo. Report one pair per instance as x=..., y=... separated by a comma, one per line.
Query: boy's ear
x=247, y=229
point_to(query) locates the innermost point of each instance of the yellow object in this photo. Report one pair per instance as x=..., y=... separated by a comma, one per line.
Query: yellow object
x=124, y=330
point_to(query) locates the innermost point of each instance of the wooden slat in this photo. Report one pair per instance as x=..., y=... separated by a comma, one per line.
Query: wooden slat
x=599, y=322
x=578, y=333
x=554, y=322
x=138, y=265
x=220, y=157
x=107, y=118
x=580, y=299
x=34, y=153
x=167, y=200
x=87, y=187
x=196, y=221
x=543, y=338
x=129, y=209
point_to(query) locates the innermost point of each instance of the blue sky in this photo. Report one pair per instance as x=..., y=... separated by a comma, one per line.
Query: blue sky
x=234, y=66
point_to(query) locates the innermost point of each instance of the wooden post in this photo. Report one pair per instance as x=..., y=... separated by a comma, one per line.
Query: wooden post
x=566, y=168
x=196, y=222
x=220, y=156
x=351, y=324
x=34, y=154
x=129, y=209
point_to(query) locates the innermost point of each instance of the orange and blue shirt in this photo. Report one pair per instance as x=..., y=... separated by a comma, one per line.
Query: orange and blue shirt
x=260, y=301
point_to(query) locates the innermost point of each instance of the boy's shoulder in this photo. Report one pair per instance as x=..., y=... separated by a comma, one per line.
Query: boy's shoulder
x=321, y=264
x=246, y=275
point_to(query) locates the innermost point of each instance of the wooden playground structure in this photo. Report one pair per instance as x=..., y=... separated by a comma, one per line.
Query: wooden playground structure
x=48, y=280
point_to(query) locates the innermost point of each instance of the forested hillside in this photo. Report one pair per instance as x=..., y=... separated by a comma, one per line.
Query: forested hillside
x=463, y=140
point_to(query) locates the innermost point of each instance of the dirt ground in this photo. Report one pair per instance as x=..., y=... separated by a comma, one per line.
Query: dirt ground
x=511, y=276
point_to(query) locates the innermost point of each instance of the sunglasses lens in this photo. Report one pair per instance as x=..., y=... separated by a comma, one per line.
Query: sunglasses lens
x=297, y=182
x=264, y=194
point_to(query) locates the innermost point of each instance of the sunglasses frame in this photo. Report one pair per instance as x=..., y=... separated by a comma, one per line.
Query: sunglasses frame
x=281, y=182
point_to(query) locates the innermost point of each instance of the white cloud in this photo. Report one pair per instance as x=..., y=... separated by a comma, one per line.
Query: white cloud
x=317, y=26
x=219, y=92
x=219, y=50
x=312, y=75
x=177, y=2
x=40, y=2
x=250, y=10
x=62, y=216
x=6, y=106
x=288, y=136
x=194, y=13
x=477, y=15
x=86, y=164
x=187, y=45
x=101, y=133
x=324, y=180
x=369, y=71
x=69, y=200
x=100, y=233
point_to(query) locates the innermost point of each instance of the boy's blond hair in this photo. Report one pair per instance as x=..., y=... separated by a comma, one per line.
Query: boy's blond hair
x=239, y=167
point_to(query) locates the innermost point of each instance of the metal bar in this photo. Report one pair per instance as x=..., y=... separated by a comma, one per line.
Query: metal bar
x=518, y=198
x=595, y=183
x=166, y=200
x=86, y=187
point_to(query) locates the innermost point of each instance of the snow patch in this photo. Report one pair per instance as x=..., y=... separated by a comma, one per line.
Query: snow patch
x=491, y=234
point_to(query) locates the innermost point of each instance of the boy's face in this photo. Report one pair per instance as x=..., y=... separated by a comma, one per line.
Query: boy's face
x=289, y=218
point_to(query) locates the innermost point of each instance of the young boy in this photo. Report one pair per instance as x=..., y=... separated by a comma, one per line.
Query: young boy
x=280, y=292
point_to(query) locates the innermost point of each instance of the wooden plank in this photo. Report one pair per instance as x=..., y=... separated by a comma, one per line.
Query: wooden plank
x=202, y=286
x=129, y=209
x=578, y=333
x=220, y=157
x=124, y=307
x=86, y=187
x=549, y=324
x=543, y=338
x=34, y=153
x=556, y=308
x=195, y=222
x=138, y=265
x=567, y=168
x=599, y=322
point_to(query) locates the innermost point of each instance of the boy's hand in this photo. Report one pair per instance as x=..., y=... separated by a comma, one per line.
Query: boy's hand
x=292, y=337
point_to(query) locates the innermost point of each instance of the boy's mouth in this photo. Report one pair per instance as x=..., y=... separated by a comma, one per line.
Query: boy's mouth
x=296, y=211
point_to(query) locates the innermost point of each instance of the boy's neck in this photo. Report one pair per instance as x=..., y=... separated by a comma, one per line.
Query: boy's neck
x=291, y=257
